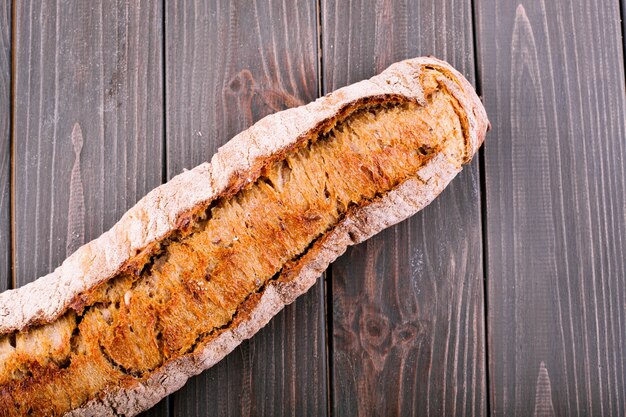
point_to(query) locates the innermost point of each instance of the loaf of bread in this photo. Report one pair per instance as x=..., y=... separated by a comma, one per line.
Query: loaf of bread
x=205, y=260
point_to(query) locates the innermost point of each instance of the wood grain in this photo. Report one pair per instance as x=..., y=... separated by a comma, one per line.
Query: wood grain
x=553, y=82
x=227, y=65
x=623, y=18
x=88, y=123
x=407, y=305
x=5, y=145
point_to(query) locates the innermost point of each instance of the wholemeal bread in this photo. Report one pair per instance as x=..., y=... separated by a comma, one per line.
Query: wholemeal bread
x=205, y=260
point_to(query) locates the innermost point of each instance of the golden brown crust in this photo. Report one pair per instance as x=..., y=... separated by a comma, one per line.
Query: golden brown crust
x=240, y=161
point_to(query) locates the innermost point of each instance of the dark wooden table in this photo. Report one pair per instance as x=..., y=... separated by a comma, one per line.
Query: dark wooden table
x=506, y=296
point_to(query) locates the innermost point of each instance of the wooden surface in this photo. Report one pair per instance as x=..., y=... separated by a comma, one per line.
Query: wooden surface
x=553, y=83
x=504, y=297
x=5, y=144
x=88, y=124
x=407, y=306
x=228, y=65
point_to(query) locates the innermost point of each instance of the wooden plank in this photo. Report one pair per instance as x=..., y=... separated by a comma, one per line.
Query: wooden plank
x=88, y=123
x=623, y=17
x=227, y=65
x=553, y=81
x=5, y=145
x=407, y=306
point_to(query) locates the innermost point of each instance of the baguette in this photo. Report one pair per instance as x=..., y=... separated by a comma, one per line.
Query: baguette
x=204, y=261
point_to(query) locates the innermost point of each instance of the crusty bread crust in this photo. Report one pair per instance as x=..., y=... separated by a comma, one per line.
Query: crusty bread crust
x=399, y=204
x=237, y=162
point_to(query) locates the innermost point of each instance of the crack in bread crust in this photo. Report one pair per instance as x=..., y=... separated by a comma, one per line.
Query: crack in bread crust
x=135, y=320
